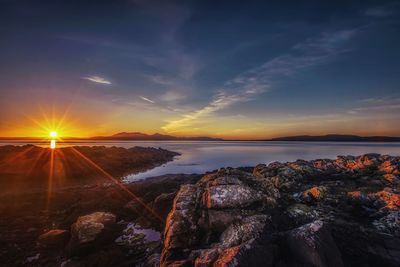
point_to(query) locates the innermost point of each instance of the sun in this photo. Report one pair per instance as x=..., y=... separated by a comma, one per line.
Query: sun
x=53, y=134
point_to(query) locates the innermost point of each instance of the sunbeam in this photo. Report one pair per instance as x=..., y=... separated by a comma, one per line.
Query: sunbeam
x=117, y=182
x=50, y=179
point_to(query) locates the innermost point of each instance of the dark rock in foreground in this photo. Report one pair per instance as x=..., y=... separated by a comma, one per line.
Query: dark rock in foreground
x=342, y=212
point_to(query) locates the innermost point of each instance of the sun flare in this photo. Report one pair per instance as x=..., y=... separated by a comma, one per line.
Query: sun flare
x=53, y=134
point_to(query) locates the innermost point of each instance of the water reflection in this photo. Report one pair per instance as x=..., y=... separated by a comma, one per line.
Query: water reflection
x=53, y=144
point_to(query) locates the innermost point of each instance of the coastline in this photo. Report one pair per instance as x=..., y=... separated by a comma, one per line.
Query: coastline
x=289, y=197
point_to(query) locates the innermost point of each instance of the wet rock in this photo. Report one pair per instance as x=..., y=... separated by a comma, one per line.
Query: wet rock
x=129, y=237
x=54, y=238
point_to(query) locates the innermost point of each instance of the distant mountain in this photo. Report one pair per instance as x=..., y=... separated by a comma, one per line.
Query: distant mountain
x=337, y=138
x=156, y=137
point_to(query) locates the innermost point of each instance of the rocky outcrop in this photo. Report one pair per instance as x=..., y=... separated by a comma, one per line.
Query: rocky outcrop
x=303, y=213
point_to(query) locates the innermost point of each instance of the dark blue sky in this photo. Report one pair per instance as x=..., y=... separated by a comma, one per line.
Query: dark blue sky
x=223, y=68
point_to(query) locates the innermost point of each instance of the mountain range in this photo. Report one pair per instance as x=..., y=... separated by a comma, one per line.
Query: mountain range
x=337, y=138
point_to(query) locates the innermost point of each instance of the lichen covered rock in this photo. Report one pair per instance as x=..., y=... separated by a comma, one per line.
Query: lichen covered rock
x=305, y=213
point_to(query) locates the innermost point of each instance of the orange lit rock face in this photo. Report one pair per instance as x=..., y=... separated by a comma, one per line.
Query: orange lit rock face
x=389, y=166
x=315, y=193
x=391, y=178
x=227, y=257
x=392, y=200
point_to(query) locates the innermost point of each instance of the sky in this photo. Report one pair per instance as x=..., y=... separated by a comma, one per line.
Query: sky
x=230, y=69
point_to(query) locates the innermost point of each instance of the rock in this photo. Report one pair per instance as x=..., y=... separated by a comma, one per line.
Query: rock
x=314, y=193
x=313, y=245
x=33, y=258
x=163, y=203
x=219, y=219
x=318, y=213
x=301, y=213
x=181, y=230
x=391, y=199
x=129, y=237
x=391, y=178
x=151, y=261
x=229, y=196
x=389, y=224
x=135, y=206
x=54, y=238
x=242, y=231
x=88, y=227
x=89, y=230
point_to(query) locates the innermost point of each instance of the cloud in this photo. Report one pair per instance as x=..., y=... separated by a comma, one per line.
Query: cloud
x=249, y=84
x=380, y=104
x=97, y=79
x=378, y=12
x=146, y=99
x=219, y=102
x=172, y=96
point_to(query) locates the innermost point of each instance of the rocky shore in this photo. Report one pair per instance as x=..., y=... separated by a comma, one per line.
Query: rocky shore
x=29, y=167
x=75, y=219
x=342, y=212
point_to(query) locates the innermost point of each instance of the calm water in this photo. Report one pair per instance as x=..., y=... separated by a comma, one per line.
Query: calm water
x=199, y=157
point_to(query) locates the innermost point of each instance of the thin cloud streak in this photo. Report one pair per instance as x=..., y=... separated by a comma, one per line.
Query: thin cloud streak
x=146, y=99
x=97, y=79
x=246, y=86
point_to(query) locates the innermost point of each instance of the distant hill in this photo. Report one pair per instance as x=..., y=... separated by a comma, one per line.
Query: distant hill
x=337, y=138
x=156, y=137
x=162, y=137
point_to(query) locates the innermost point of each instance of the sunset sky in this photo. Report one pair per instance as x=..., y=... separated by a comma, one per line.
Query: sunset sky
x=231, y=69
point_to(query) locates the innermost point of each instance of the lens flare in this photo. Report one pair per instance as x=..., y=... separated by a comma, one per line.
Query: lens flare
x=53, y=134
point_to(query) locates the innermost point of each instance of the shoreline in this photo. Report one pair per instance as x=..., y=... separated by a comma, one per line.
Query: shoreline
x=46, y=225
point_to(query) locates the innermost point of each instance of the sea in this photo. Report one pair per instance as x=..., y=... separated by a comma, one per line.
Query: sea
x=204, y=156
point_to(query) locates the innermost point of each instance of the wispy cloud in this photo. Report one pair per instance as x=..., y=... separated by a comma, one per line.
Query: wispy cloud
x=219, y=102
x=146, y=99
x=378, y=12
x=379, y=104
x=97, y=79
x=246, y=86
